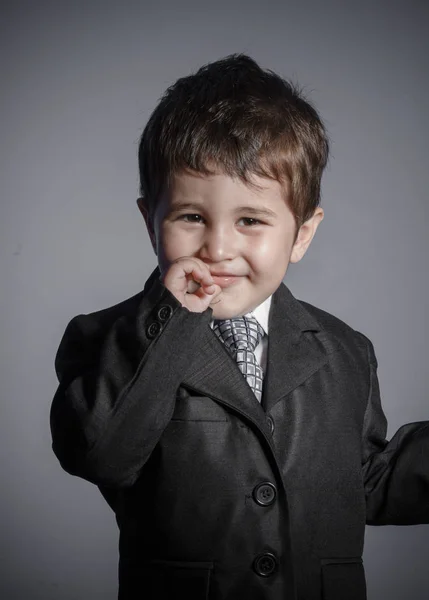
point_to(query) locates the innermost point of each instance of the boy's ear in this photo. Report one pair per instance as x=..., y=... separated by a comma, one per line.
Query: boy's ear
x=144, y=209
x=305, y=235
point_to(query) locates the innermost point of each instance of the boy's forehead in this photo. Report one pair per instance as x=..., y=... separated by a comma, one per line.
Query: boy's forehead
x=203, y=185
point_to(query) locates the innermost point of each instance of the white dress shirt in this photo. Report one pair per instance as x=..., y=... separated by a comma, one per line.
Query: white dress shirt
x=261, y=314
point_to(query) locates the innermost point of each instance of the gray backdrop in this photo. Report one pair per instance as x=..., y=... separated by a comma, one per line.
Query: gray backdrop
x=79, y=81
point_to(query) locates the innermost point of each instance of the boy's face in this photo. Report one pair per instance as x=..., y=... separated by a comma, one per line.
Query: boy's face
x=244, y=236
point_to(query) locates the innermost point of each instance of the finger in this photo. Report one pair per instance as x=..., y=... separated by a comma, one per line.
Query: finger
x=189, y=273
x=193, y=286
x=217, y=296
x=209, y=289
x=200, y=276
x=203, y=276
x=199, y=267
x=209, y=293
x=189, y=263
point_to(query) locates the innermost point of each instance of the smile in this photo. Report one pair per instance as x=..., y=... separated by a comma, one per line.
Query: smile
x=225, y=280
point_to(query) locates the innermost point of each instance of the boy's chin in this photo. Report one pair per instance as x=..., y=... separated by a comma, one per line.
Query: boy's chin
x=221, y=312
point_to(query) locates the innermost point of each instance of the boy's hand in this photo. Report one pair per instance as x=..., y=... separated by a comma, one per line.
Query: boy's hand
x=189, y=279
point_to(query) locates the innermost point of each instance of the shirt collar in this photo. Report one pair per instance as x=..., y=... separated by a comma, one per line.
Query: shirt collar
x=261, y=314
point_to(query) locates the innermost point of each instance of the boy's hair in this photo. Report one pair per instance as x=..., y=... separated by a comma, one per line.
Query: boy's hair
x=233, y=117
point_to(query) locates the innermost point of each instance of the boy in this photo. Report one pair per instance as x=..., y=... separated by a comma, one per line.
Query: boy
x=236, y=432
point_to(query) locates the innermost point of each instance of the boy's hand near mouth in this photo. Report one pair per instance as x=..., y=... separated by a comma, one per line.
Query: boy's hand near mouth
x=190, y=281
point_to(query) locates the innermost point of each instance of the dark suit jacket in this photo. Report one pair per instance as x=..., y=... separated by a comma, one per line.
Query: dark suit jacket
x=216, y=496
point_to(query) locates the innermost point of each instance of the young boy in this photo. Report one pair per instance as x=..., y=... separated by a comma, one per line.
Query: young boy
x=236, y=432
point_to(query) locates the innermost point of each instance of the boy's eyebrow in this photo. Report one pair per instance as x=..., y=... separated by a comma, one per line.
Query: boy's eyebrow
x=252, y=210
x=175, y=206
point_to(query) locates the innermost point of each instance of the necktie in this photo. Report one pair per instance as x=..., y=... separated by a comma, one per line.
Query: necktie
x=241, y=335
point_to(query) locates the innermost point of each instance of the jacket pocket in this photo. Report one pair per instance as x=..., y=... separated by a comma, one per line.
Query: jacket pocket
x=197, y=408
x=343, y=578
x=169, y=579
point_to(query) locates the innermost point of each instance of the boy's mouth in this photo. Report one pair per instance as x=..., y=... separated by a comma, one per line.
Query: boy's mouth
x=225, y=280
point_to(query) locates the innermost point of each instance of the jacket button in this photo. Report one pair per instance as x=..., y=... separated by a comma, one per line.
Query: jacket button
x=153, y=330
x=164, y=313
x=264, y=493
x=270, y=422
x=264, y=565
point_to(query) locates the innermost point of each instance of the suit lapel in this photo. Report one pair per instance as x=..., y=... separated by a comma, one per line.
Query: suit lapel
x=292, y=355
x=214, y=373
x=292, y=358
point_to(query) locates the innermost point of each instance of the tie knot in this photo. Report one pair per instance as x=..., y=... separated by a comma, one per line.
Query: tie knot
x=239, y=333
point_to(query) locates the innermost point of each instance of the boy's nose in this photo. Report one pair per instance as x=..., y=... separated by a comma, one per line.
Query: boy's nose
x=218, y=245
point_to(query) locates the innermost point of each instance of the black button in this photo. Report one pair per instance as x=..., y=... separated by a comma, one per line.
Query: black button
x=153, y=330
x=265, y=564
x=164, y=313
x=270, y=422
x=265, y=493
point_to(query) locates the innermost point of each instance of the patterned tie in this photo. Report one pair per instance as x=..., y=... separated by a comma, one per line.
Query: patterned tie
x=241, y=335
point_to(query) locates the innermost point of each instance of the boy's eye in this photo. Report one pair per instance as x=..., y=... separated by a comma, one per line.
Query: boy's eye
x=196, y=218
x=191, y=218
x=248, y=221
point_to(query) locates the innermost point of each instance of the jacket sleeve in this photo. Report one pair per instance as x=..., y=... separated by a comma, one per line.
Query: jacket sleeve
x=395, y=472
x=118, y=384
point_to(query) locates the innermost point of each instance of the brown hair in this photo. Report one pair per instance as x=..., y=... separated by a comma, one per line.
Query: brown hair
x=240, y=119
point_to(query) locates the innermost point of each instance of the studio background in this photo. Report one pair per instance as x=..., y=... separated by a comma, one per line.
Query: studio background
x=79, y=81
